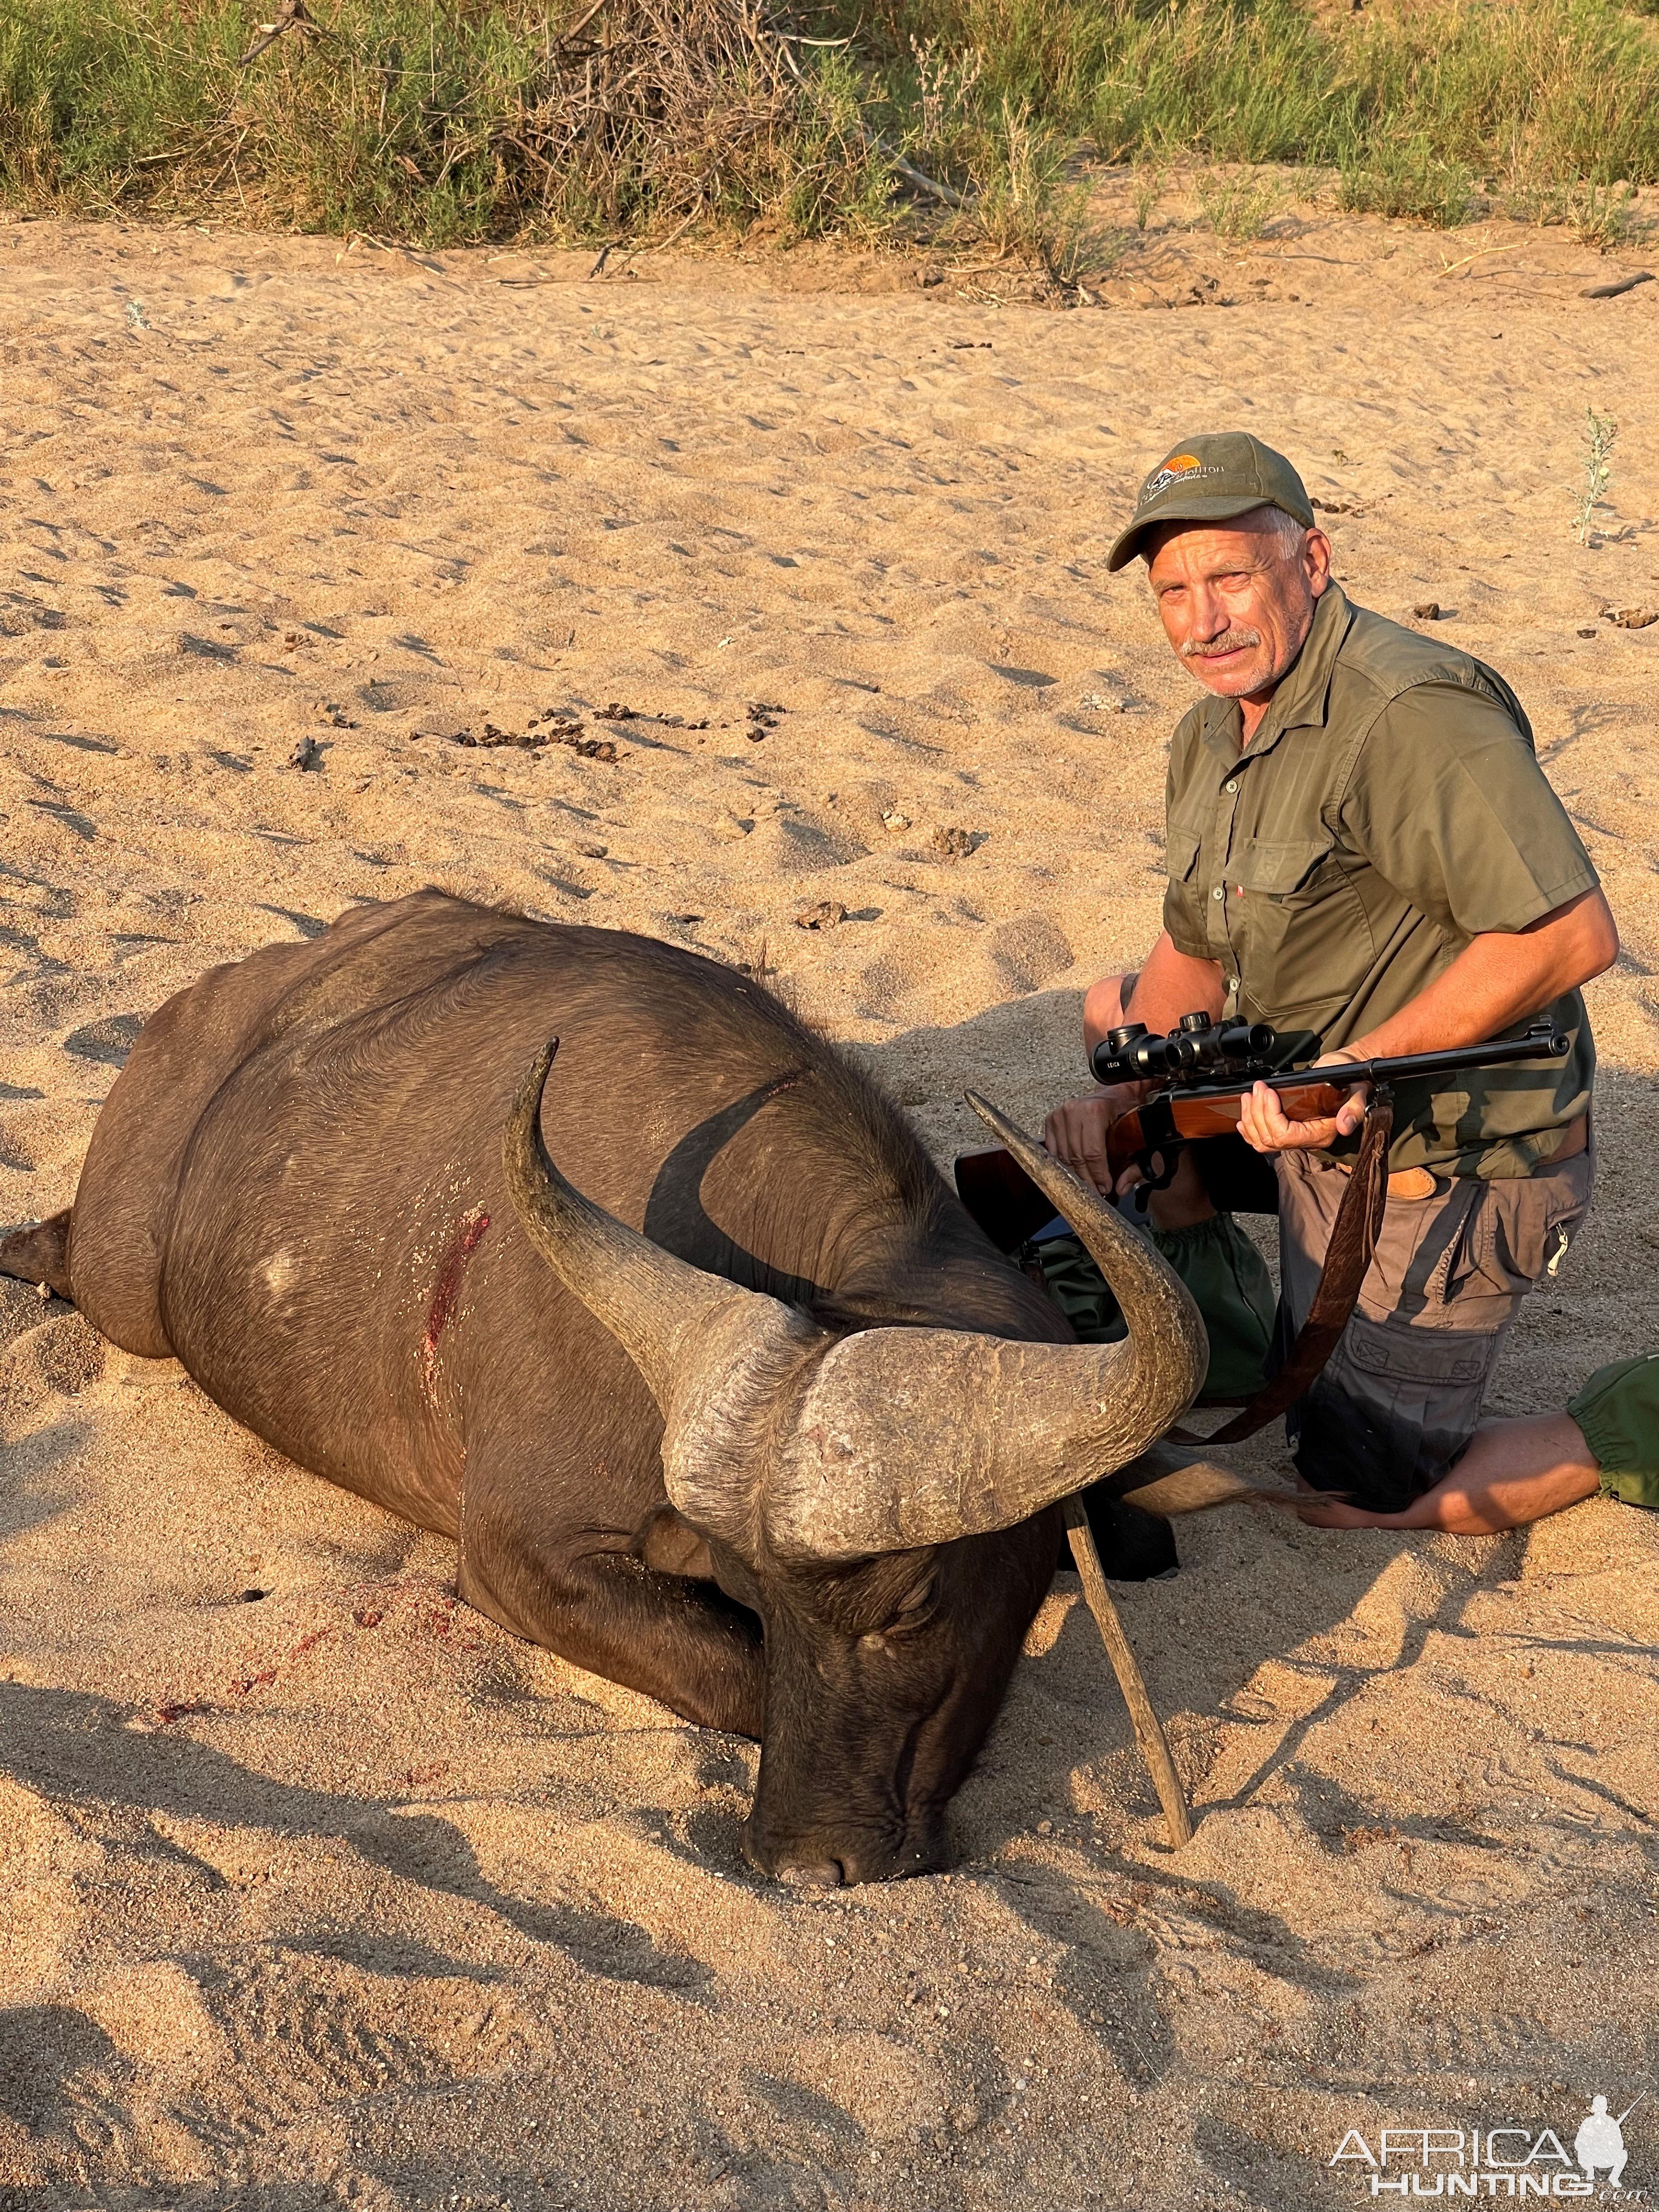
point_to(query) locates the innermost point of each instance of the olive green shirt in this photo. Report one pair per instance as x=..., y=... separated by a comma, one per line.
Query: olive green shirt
x=1390, y=808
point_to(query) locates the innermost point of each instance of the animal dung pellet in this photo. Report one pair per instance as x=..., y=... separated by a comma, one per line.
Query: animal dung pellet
x=953, y=844
x=1427, y=611
x=826, y=914
x=615, y=712
x=307, y=753
x=1591, y=632
x=762, y=720
x=542, y=730
x=590, y=849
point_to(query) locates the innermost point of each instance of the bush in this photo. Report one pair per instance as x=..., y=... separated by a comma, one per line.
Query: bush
x=442, y=122
x=455, y=119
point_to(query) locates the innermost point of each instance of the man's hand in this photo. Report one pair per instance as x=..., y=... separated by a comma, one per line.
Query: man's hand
x=1265, y=1127
x=1076, y=1134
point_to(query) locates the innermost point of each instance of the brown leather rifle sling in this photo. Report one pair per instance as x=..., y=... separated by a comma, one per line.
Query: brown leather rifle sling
x=1347, y=1257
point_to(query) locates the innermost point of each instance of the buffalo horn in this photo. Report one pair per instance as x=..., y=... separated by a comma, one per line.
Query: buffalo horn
x=908, y=1436
x=716, y=1357
x=888, y=1439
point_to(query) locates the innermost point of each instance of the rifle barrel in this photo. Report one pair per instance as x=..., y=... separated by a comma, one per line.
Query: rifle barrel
x=1405, y=1067
x=1408, y=1067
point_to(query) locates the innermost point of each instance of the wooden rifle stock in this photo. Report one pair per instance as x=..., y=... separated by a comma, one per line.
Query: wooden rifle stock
x=1174, y=1119
x=1009, y=1208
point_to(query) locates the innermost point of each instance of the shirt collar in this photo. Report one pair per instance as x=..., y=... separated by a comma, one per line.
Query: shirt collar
x=1301, y=698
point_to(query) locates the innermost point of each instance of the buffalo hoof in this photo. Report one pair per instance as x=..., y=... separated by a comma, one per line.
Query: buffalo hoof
x=38, y=1253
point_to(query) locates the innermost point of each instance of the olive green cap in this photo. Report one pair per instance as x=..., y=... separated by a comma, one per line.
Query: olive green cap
x=1212, y=478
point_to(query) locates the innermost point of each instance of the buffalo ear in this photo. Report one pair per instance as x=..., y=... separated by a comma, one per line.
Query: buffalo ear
x=670, y=1546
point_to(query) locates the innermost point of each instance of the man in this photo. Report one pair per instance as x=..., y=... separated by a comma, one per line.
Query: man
x=1363, y=848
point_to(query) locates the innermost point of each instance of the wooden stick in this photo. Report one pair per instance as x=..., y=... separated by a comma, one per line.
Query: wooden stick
x=1149, y=1731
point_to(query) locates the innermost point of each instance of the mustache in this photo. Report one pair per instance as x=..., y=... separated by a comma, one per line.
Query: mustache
x=1231, y=641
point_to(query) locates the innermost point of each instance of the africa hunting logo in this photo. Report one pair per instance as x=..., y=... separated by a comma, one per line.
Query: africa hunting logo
x=1502, y=2162
x=1175, y=470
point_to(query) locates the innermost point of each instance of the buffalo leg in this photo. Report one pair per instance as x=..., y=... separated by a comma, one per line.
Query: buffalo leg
x=39, y=1255
x=683, y=1643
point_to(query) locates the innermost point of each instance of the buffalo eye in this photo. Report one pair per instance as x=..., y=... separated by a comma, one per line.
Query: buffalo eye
x=911, y=1615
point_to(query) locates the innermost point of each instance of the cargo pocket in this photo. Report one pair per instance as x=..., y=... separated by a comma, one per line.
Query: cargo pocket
x=1393, y=1409
x=1521, y=1230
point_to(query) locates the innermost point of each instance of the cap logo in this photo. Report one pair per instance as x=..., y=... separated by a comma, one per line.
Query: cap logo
x=1175, y=470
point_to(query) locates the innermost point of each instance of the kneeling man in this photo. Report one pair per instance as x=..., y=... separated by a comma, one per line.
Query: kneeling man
x=1363, y=848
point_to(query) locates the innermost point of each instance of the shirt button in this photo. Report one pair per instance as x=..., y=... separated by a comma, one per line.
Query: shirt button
x=1233, y=785
x=1220, y=891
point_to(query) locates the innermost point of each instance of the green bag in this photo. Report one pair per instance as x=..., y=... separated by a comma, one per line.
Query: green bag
x=1618, y=1409
x=1226, y=1275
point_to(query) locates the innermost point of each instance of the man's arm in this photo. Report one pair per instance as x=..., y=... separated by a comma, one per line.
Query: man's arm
x=1171, y=984
x=1500, y=976
x=1496, y=979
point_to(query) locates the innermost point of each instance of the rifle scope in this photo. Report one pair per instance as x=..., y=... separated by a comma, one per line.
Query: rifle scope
x=1196, y=1047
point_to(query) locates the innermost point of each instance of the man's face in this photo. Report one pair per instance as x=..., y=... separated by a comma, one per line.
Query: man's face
x=1236, y=602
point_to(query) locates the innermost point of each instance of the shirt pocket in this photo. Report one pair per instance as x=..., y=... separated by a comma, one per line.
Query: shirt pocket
x=1181, y=850
x=1297, y=923
x=1184, y=901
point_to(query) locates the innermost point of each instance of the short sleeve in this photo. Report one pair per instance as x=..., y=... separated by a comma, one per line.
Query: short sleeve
x=1449, y=804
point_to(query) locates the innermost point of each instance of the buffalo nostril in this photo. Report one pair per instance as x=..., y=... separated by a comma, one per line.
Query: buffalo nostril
x=818, y=1873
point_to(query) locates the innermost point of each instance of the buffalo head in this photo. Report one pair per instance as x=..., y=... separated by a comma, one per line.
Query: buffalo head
x=880, y=1498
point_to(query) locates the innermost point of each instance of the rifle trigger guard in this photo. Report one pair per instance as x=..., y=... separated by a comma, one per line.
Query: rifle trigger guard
x=1171, y=1156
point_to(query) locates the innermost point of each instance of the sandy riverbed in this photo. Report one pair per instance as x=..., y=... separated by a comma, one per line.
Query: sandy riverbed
x=343, y=1896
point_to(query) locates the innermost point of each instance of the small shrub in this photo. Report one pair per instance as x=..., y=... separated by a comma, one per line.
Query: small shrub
x=1146, y=190
x=1240, y=208
x=1409, y=182
x=1599, y=434
x=1599, y=215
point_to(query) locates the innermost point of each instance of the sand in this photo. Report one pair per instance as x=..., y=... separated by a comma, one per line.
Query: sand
x=337, y=1895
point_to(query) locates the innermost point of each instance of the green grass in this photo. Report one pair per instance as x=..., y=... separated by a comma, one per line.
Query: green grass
x=448, y=120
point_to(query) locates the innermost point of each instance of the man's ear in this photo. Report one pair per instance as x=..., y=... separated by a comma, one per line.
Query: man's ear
x=1316, y=557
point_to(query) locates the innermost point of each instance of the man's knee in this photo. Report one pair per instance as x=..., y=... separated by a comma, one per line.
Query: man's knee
x=1104, y=1002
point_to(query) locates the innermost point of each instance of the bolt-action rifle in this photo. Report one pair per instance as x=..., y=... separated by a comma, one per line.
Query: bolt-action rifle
x=1205, y=1070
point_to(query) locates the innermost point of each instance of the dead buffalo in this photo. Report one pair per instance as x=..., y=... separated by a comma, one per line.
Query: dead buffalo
x=761, y=1425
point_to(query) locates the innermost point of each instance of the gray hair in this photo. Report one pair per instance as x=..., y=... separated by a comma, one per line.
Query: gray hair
x=1292, y=535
